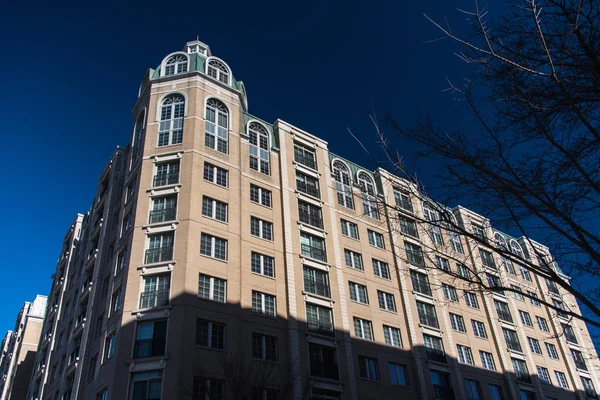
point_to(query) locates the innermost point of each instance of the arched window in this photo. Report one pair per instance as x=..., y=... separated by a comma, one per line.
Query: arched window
x=218, y=70
x=454, y=236
x=516, y=249
x=176, y=64
x=500, y=242
x=341, y=174
x=138, y=135
x=259, y=147
x=170, y=130
x=217, y=126
x=367, y=186
x=435, y=232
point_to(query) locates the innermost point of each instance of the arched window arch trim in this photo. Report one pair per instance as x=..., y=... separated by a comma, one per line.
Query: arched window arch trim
x=344, y=189
x=516, y=248
x=216, y=135
x=170, y=120
x=217, y=78
x=368, y=178
x=163, y=65
x=259, y=146
x=164, y=96
x=144, y=114
x=500, y=241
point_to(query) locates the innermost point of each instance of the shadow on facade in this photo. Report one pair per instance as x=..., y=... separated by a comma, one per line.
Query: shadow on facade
x=327, y=360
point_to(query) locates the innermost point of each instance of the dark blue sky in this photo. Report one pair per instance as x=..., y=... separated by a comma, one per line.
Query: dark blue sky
x=71, y=71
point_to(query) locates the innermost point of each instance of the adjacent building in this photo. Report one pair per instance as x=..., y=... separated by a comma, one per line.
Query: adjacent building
x=222, y=252
x=19, y=346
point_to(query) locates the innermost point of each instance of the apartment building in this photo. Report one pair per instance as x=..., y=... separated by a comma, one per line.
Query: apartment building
x=19, y=346
x=224, y=253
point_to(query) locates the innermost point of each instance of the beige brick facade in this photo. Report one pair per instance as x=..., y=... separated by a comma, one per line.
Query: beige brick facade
x=178, y=268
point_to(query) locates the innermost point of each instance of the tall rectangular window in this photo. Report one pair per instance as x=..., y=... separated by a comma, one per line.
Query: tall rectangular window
x=210, y=334
x=457, y=322
x=544, y=375
x=213, y=246
x=386, y=301
x=151, y=339
x=146, y=385
x=305, y=156
x=260, y=228
x=473, y=390
x=526, y=318
x=363, y=329
x=408, y=226
x=310, y=214
x=160, y=248
x=211, y=288
x=464, y=354
x=551, y=349
x=214, y=209
x=163, y=209
x=479, y=329
x=398, y=375
x=487, y=259
x=316, y=282
x=534, y=345
x=262, y=265
x=503, y=311
x=260, y=195
x=403, y=201
x=561, y=379
x=414, y=254
x=427, y=315
x=353, y=259
x=512, y=340
x=542, y=324
x=319, y=319
x=376, y=239
x=434, y=229
x=312, y=246
x=166, y=174
x=368, y=368
x=420, y=283
x=217, y=175
x=381, y=269
x=521, y=370
x=442, y=385
x=349, y=229
x=391, y=336
x=358, y=293
x=264, y=347
x=263, y=303
x=308, y=185
x=208, y=388
x=450, y=292
x=156, y=291
x=434, y=348
x=487, y=360
x=109, y=347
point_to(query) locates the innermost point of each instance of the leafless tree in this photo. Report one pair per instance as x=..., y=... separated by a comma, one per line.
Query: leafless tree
x=244, y=379
x=531, y=162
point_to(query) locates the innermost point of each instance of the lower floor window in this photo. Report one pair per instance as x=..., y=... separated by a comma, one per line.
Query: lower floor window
x=146, y=385
x=207, y=388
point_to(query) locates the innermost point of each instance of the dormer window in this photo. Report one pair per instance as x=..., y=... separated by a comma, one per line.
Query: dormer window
x=516, y=249
x=176, y=64
x=259, y=148
x=343, y=182
x=218, y=70
x=367, y=186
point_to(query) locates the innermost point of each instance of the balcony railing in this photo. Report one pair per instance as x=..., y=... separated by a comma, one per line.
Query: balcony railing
x=324, y=370
x=155, y=298
x=505, y=316
x=436, y=355
x=311, y=219
x=523, y=376
x=308, y=189
x=308, y=161
x=318, y=288
x=159, y=255
x=319, y=326
x=170, y=178
x=166, y=214
x=314, y=252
